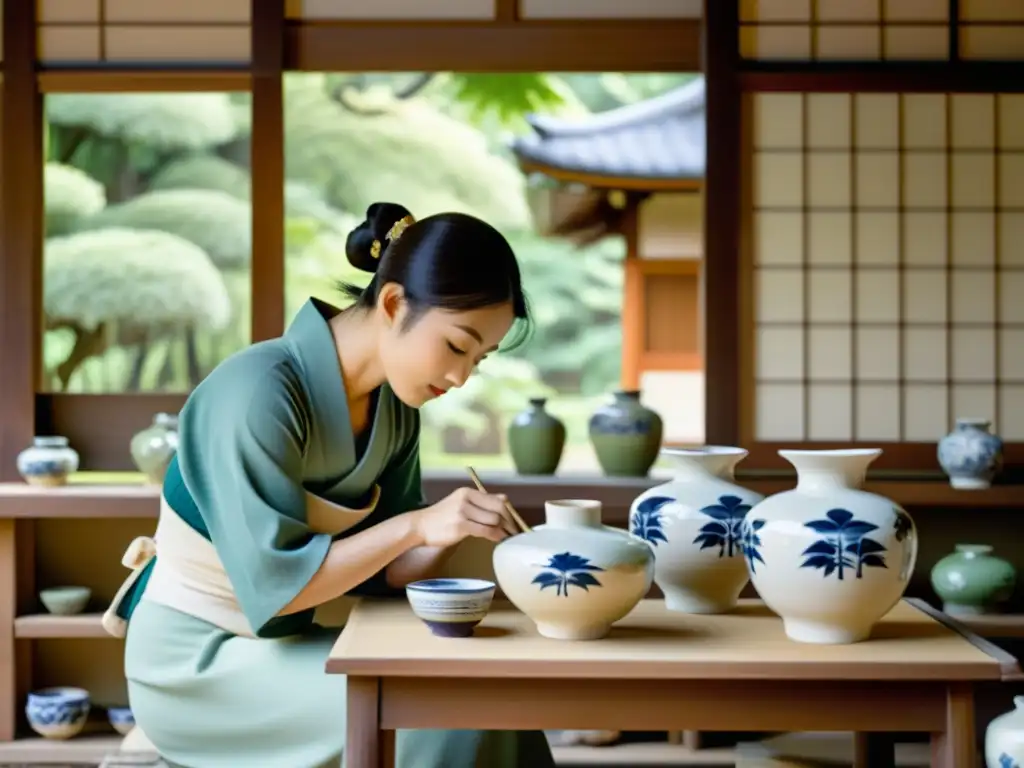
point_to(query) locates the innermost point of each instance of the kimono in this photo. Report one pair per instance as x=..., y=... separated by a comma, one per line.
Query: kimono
x=267, y=475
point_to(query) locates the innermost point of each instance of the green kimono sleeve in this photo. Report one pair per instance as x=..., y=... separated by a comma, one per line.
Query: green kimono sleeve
x=401, y=490
x=243, y=434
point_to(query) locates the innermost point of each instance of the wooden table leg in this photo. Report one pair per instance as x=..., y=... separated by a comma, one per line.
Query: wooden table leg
x=956, y=747
x=363, y=737
x=874, y=750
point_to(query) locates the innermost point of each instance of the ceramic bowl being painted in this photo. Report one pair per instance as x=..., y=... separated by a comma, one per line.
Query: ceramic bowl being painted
x=121, y=718
x=451, y=607
x=65, y=601
x=58, y=713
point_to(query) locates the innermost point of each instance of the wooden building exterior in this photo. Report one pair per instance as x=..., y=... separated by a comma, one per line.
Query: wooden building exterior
x=643, y=168
x=863, y=225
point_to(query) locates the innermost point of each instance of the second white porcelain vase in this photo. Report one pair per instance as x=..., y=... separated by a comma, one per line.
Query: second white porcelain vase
x=829, y=558
x=1004, y=738
x=694, y=524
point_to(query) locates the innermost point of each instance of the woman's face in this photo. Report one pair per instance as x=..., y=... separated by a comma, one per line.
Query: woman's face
x=440, y=349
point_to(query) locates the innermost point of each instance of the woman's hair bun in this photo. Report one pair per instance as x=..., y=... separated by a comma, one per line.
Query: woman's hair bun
x=380, y=218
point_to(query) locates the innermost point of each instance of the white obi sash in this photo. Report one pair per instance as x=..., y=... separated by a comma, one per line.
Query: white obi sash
x=188, y=575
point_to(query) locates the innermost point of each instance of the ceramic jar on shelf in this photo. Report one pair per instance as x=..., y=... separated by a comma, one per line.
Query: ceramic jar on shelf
x=58, y=713
x=972, y=581
x=153, y=448
x=694, y=524
x=536, y=439
x=827, y=557
x=971, y=455
x=572, y=576
x=626, y=435
x=1004, y=738
x=48, y=461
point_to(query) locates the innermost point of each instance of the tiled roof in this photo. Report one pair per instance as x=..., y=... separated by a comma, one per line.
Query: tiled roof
x=660, y=138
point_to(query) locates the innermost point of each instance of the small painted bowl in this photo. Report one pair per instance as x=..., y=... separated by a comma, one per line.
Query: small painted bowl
x=58, y=713
x=121, y=718
x=65, y=601
x=451, y=607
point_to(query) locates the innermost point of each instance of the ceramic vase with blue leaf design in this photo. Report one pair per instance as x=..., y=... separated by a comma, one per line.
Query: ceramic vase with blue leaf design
x=694, y=525
x=1004, y=738
x=572, y=576
x=827, y=557
x=971, y=455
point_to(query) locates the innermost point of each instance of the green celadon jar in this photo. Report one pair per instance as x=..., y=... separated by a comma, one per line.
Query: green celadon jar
x=536, y=439
x=972, y=581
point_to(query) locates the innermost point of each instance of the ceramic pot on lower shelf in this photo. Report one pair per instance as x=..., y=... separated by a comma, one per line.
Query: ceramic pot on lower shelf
x=58, y=713
x=827, y=557
x=1004, y=738
x=48, y=461
x=694, y=523
x=573, y=576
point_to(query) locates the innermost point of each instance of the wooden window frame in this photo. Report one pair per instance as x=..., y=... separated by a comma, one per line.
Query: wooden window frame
x=504, y=44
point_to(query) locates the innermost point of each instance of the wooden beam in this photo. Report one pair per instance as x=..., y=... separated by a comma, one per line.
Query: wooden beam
x=267, y=271
x=722, y=201
x=142, y=81
x=21, y=214
x=616, y=45
x=883, y=77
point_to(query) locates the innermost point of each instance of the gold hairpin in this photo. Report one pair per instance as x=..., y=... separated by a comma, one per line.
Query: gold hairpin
x=393, y=234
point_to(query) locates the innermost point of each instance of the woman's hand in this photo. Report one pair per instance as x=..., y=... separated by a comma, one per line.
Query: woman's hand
x=463, y=513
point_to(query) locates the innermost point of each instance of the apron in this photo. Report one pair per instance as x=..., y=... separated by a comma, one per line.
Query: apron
x=188, y=575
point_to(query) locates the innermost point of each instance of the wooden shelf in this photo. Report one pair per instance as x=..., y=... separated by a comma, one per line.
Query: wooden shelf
x=41, y=626
x=88, y=500
x=1001, y=625
x=87, y=748
x=649, y=753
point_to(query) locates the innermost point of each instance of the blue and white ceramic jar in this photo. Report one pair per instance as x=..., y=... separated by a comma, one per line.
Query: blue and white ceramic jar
x=971, y=455
x=1004, y=738
x=58, y=713
x=694, y=524
x=121, y=718
x=573, y=576
x=827, y=557
x=48, y=461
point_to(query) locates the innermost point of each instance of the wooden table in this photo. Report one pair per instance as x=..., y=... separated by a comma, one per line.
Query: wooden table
x=663, y=671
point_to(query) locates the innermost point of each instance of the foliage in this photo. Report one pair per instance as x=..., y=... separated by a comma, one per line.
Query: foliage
x=647, y=523
x=149, y=278
x=70, y=196
x=203, y=171
x=220, y=224
x=163, y=121
x=411, y=153
x=725, y=529
x=566, y=570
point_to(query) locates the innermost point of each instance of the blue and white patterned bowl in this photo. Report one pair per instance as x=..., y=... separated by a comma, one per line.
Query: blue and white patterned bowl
x=121, y=718
x=58, y=713
x=451, y=607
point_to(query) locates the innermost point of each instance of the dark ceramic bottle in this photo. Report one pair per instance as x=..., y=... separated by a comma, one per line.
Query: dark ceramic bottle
x=626, y=435
x=536, y=439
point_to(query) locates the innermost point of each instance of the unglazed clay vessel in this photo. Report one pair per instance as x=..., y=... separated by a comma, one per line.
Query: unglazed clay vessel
x=573, y=576
x=1004, y=738
x=829, y=558
x=694, y=524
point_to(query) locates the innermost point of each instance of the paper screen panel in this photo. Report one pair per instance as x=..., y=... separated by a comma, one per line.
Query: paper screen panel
x=887, y=240
x=991, y=30
x=610, y=9
x=145, y=31
x=849, y=30
x=388, y=10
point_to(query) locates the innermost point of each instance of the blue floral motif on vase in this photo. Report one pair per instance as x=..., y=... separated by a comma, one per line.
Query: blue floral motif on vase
x=566, y=570
x=845, y=545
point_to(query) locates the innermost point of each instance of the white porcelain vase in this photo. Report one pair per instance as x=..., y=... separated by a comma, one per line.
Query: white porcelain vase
x=694, y=524
x=1004, y=738
x=573, y=576
x=829, y=558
